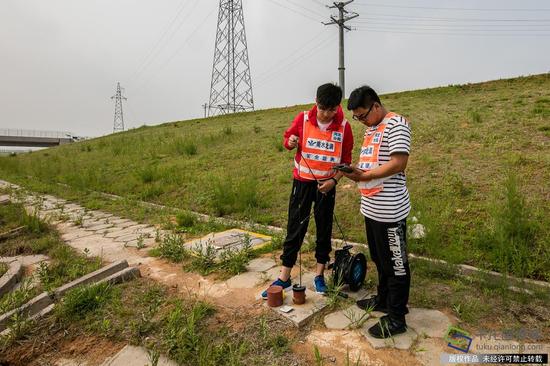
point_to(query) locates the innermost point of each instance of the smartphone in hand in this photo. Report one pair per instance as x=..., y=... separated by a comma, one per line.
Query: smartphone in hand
x=343, y=168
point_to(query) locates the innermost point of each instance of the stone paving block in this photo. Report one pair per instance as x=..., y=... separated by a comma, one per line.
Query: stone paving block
x=135, y=356
x=92, y=277
x=273, y=273
x=10, y=279
x=146, y=242
x=260, y=265
x=357, y=295
x=75, y=233
x=125, y=238
x=106, y=249
x=302, y=314
x=233, y=239
x=245, y=280
x=127, y=274
x=124, y=225
x=342, y=319
x=91, y=223
x=31, y=308
x=26, y=260
x=99, y=228
x=101, y=215
x=400, y=341
x=433, y=323
x=117, y=233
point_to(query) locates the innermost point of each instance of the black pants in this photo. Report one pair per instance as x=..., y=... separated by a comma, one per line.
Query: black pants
x=303, y=195
x=388, y=250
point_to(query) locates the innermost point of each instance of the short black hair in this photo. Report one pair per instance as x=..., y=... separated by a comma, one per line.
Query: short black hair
x=329, y=95
x=364, y=96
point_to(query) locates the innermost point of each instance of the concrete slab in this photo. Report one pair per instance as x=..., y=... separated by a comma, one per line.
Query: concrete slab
x=93, y=277
x=75, y=233
x=233, y=239
x=31, y=308
x=104, y=248
x=26, y=260
x=124, y=225
x=12, y=276
x=302, y=314
x=99, y=227
x=146, y=242
x=433, y=323
x=352, y=317
x=245, y=280
x=400, y=341
x=100, y=214
x=118, y=220
x=138, y=356
x=86, y=224
x=127, y=274
x=117, y=233
x=125, y=238
x=260, y=265
x=357, y=295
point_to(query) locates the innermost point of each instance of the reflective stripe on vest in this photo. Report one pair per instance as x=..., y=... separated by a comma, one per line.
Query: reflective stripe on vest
x=368, y=159
x=321, y=150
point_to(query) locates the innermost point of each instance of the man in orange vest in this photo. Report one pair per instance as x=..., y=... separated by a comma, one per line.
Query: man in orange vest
x=380, y=176
x=323, y=138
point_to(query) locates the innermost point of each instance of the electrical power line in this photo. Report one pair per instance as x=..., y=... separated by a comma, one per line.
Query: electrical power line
x=308, y=10
x=295, y=11
x=154, y=51
x=439, y=33
x=180, y=48
x=305, y=52
x=397, y=16
x=289, y=66
x=443, y=8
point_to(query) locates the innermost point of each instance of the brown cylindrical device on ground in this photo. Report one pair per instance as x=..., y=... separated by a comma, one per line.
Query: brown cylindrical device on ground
x=274, y=296
x=299, y=294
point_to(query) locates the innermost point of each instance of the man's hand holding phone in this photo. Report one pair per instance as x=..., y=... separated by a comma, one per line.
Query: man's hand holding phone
x=344, y=168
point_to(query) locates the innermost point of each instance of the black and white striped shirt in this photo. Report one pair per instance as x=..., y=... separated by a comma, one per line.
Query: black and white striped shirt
x=392, y=203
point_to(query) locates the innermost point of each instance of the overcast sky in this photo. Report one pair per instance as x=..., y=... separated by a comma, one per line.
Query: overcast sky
x=60, y=60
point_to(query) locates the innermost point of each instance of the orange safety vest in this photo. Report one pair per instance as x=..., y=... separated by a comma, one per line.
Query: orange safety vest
x=321, y=150
x=368, y=159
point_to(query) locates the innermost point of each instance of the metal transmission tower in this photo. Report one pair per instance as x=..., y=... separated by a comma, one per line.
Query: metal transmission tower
x=119, y=117
x=341, y=22
x=231, y=87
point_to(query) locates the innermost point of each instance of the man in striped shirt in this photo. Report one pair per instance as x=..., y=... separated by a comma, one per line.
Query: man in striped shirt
x=380, y=176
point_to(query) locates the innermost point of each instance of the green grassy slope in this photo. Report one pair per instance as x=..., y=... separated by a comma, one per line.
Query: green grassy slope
x=478, y=173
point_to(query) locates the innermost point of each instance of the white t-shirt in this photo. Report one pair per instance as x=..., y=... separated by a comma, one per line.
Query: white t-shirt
x=323, y=126
x=392, y=204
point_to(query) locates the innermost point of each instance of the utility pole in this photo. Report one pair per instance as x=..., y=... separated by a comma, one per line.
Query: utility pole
x=205, y=106
x=119, y=117
x=231, y=86
x=341, y=22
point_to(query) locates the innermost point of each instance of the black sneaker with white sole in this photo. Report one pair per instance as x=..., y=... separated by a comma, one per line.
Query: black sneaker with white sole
x=387, y=327
x=373, y=303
